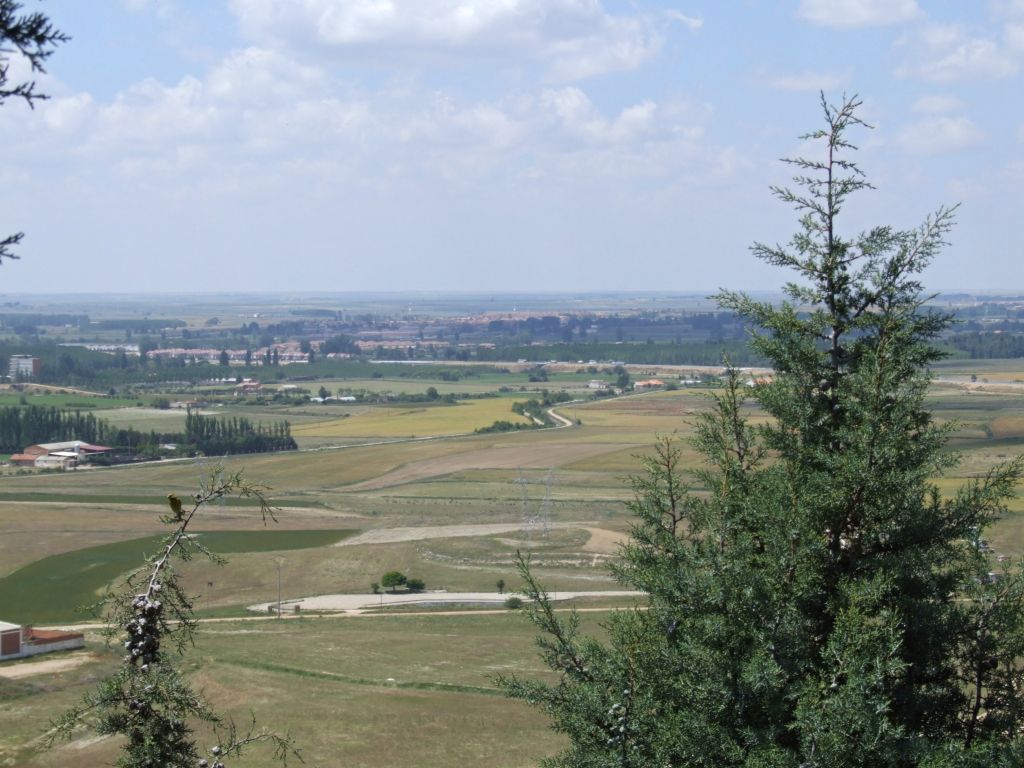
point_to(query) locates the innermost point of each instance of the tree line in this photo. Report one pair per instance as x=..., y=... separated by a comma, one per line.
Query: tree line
x=988, y=345
x=687, y=353
x=34, y=424
x=236, y=434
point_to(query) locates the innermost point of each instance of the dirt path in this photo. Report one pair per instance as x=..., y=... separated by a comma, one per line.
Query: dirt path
x=53, y=389
x=370, y=613
x=562, y=421
x=421, y=533
x=988, y=387
x=46, y=666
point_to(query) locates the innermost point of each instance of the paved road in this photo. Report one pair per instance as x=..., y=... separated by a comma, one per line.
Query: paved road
x=370, y=602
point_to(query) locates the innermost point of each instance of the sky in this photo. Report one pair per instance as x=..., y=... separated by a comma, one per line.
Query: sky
x=498, y=145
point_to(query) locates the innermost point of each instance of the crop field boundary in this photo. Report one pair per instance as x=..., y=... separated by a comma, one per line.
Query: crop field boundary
x=346, y=679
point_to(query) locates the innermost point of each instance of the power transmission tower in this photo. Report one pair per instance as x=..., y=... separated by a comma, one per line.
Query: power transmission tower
x=536, y=517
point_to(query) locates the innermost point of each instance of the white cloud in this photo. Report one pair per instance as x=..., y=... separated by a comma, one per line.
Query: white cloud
x=693, y=23
x=945, y=53
x=936, y=104
x=258, y=115
x=805, y=81
x=1014, y=35
x=939, y=134
x=261, y=75
x=849, y=14
x=67, y=114
x=572, y=39
x=578, y=117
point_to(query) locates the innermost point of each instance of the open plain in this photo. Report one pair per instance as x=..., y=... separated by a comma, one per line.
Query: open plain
x=450, y=507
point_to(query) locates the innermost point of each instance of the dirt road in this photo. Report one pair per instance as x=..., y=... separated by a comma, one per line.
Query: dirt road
x=45, y=666
x=421, y=533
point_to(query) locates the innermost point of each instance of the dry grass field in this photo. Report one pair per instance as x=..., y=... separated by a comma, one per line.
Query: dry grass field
x=376, y=690
x=373, y=691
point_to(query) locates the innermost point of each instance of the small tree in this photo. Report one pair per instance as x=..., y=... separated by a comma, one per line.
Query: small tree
x=500, y=584
x=392, y=580
x=622, y=381
x=375, y=587
x=415, y=585
x=148, y=700
x=824, y=605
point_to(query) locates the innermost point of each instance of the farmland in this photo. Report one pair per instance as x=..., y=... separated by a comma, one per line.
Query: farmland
x=448, y=506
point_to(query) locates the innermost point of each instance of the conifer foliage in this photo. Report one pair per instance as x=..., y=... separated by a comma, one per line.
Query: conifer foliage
x=148, y=700
x=823, y=604
x=34, y=38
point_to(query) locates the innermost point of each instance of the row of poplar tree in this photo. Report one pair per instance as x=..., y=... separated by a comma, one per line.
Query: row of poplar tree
x=31, y=425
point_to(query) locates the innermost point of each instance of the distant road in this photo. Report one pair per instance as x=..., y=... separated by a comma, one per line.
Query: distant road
x=384, y=599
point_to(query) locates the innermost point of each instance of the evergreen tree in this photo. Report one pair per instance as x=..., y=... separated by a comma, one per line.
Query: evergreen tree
x=33, y=37
x=823, y=605
x=148, y=700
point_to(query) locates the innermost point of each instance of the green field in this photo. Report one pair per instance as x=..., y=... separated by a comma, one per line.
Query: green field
x=71, y=401
x=57, y=588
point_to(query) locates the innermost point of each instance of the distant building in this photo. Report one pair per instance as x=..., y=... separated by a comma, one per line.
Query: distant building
x=248, y=387
x=17, y=642
x=63, y=455
x=597, y=384
x=59, y=460
x=24, y=367
x=649, y=384
x=72, y=447
x=10, y=640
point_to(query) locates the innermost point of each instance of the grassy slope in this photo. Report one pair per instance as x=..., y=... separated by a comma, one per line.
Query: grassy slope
x=55, y=588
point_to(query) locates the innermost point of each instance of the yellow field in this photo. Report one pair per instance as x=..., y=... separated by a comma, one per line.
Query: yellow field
x=415, y=421
x=1007, y=426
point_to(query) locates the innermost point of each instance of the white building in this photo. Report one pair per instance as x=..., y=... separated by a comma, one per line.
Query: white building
x=23, y=367
x=17, y=642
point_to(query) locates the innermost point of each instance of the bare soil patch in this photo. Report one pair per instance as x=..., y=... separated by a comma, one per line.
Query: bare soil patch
x=45, y=666
x=603, y=541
